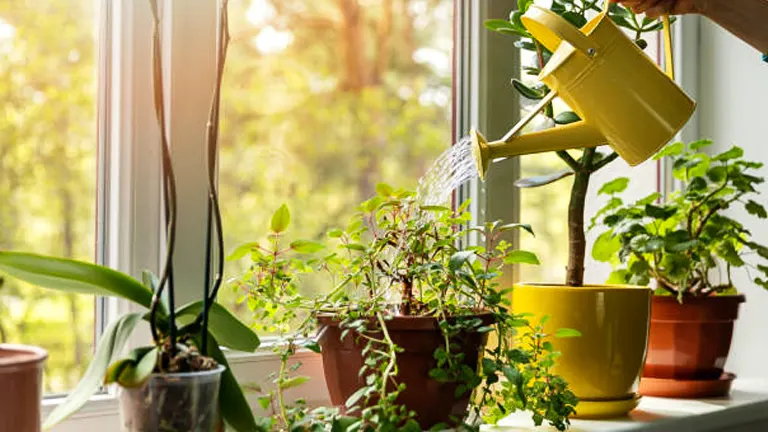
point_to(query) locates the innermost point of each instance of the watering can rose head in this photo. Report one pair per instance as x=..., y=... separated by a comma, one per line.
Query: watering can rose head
x=619, y=94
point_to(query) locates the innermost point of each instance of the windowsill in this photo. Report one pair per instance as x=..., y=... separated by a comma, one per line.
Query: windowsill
x=745, y=410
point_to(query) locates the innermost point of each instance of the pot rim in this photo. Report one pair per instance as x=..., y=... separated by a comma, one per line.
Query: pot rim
x=409, y=322
x=218, y=371
x=21, y=356
x=740, y=298
x=585, y=287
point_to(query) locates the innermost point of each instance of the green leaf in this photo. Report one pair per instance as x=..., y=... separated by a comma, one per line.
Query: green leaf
x=614, y=186
x=73, y=276
x=313, y=346
x=294, y=381
x=674, y=149
x=574, y=18
x=136, y=374
x=489, y=366
x=108, y=348
x=644, y=243
x=606, y=247
x=679, y=241
x=264, y=401
x=756, y=209
x=335, y=233
x=728, y=252
x=567, y=333
x=733, y=153
x=697, y=145
x=459, y=258
x=306, y=246
x=242, y=250
x=384, y=189
x=618, y=277
x=227, y=328
x=527, y=92
x=662, y=213
x=410, y=426
x=497, y=24
x=355, y=397
x=532, y=182
x=521, y=257
x=281, y=219
x=233, y=405
x=133, y=357
x=566, y=117
x=342, y=424
x=512, y=226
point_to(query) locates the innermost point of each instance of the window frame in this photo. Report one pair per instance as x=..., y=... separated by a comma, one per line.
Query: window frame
x=129, y=172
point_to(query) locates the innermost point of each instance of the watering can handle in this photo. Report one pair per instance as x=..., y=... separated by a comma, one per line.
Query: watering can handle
x=550, y=29
x=667, y=32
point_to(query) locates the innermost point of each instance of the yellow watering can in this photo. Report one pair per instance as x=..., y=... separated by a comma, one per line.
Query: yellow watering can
x=623, y=98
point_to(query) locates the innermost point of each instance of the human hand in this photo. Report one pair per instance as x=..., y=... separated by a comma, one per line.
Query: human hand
x=656, y=8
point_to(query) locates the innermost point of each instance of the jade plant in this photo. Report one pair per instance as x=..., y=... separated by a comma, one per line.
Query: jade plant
x=399, y=258
x=688, y=242
x=580, y=164
x=184, y=339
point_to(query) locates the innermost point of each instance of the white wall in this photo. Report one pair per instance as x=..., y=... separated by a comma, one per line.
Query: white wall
x=733, y=109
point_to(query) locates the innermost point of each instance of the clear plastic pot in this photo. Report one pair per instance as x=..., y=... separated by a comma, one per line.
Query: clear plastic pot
x=182, y=402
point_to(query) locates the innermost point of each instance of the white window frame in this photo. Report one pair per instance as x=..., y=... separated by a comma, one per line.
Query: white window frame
x=129, y=238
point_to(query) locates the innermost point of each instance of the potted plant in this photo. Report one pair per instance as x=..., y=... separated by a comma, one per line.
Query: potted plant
x=21, y=376
x=402, y=333
x=181, y=381
x=688, y=245
x=603, y=367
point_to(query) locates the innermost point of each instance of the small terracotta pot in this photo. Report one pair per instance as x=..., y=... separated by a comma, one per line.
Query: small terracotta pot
x=690, y=341
x=419, y=336
x=21, y=378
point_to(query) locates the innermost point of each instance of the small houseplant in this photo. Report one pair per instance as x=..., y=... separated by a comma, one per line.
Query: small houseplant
x=688, y=245
x=402, y=331
x=181, y=382
x=604, y=387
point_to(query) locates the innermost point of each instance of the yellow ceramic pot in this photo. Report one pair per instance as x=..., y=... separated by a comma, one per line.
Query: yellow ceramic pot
x=603, y=366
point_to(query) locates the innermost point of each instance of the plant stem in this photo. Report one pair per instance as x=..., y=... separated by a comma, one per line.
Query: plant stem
x=280, y=379
x=388, y=371
x=577, y=243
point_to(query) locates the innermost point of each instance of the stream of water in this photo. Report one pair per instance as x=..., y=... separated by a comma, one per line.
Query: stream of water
x=449, y=171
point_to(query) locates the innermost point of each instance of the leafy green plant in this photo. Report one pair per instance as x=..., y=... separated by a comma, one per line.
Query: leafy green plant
x=685, y=242
x=399, y=258
x=589, y=160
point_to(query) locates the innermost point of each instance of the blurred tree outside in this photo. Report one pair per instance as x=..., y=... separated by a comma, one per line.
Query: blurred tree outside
x=323, y=100
x=47, y=171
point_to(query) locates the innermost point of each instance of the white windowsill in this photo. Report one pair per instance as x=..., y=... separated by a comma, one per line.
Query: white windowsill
x=745, y=410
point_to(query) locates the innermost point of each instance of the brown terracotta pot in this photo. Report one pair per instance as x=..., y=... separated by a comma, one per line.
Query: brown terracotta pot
x=433, y=402
x=690, y=341
x=21, y=376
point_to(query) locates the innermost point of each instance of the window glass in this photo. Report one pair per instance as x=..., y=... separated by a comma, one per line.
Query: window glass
x=321, y=101
x=47, y=172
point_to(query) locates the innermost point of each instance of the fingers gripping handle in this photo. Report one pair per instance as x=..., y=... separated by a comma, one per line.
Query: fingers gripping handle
x=669, y=60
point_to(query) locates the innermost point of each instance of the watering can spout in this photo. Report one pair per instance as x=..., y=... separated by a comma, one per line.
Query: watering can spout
x=570, y=136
